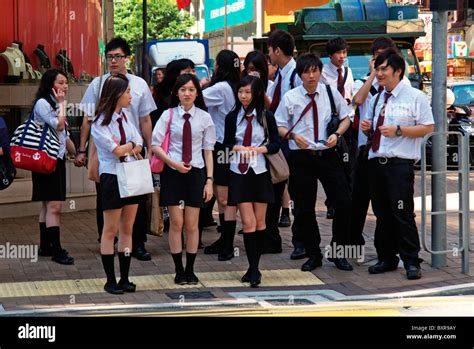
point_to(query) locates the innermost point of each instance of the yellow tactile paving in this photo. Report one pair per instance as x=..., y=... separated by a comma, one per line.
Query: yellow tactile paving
x=284, y=277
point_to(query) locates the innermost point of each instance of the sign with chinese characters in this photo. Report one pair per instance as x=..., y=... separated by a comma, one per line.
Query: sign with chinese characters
x=238, y=12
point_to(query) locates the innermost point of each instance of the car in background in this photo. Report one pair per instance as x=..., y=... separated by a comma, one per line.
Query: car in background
x=463, y=92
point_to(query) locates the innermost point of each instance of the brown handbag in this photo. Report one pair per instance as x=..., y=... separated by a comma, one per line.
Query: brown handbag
x=279, y=169
x=93, y=163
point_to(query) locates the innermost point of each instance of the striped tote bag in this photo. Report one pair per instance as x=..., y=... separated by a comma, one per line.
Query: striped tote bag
x=35, y=147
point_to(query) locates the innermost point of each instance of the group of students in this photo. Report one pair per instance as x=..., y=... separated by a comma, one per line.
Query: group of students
x=219, y=136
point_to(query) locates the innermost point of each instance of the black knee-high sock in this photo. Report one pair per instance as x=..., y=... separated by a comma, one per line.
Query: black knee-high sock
x=221, y=219
x=190, y=258
x=54, y=233
x=45, y=242
x=124, y=262
x=250, y=243
x=178, y=262
x=108, y=263
x=260, y=243
x=228, y=234
x=285, y=211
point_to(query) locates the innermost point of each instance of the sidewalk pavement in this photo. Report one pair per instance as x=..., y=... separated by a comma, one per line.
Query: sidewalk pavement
x=45, y=284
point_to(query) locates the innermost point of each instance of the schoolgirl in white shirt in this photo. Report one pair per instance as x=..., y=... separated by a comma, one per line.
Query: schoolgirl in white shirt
x=250, y=185
x=220, y=99
x=117, y=140
x=186, y=181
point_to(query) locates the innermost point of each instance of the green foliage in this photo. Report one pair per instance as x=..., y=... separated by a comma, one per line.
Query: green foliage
x=164, y=20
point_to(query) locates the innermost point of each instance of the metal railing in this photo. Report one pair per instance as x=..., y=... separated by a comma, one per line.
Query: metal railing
x=463, y=190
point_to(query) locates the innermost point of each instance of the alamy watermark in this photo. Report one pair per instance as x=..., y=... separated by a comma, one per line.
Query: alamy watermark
x=12, y=251
x=345, y=251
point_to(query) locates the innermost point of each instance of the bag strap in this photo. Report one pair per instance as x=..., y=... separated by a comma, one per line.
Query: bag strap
x=292, y=79
x=168, y=130
x=331, y=100
x=373, y=90
x=296, y=123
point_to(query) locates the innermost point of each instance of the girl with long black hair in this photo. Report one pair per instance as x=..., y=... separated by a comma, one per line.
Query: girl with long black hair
x=186, y=180
x=250, y=185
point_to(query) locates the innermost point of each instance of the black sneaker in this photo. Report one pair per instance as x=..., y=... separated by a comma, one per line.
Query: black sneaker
x=127, y=286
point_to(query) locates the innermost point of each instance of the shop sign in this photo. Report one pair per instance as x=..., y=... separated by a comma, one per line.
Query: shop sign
x=238, y=12
x=460, y=49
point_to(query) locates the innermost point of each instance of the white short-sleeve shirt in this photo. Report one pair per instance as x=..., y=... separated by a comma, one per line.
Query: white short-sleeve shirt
x=142, y=100
x=107, y=138
x=203, y=133
x=406, y=107
x=293, y=104
x=43, y=113
x=329, y=76
x=220, y=100
x=364, y=112
x=285, y=74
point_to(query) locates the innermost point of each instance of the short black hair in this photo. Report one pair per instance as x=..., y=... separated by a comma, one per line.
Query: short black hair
x=335, y=45
x=283, y=40
x=307, y=61
x=382, y=43
x=394, y=60
x=116, y=43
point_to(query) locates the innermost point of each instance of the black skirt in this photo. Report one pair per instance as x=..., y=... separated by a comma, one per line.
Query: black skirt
x=221, y=165
x=110, y=195
x=50, y=187
x=182, y=188
x=250, y=187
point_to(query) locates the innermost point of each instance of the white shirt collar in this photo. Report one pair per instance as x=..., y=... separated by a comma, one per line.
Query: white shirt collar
x=397, y=89
x=191, y=111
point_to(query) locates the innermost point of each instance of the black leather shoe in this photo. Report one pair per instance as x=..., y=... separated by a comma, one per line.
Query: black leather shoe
x=413, y=272
x=191, y=279
x=383, y=266
x=180, y=279
x=246, y=277
x=298, y=253
x=311, y=264
x=271, y=250
x=141, y=254
x=113, y=288
x=45, y=252
x=284, y=222
x=341, y=263
x=63, y=258
x=255, y=280
x=127, y=286
x=330, y=213
x=214, y=248
x=225, y=256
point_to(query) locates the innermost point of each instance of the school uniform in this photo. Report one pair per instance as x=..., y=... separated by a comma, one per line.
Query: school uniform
x=219, y=99
x=334, y=76
x=141, y=106
x=120, y=131
x=286, y=78
x=361, y=185
x=250, y=182
x=391, y=173
x=50, y=187
x=315, y=162
x=185, y=188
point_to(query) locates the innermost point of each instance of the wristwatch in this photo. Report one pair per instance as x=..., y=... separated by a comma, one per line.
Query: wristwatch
x=398, y=132
x=133, y=144
x=337, y=134
x=211, y=178
x=81, y=151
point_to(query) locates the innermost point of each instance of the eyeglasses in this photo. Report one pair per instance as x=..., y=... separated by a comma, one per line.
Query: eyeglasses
x=114, y=57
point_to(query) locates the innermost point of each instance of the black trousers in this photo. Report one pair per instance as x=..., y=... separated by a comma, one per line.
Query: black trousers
x=392, y=193
x=306, y=168
x=272, y=233
x=360, y=199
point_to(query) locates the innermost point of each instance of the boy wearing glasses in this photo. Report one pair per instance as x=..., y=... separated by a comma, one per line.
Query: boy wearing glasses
x=117, y=52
